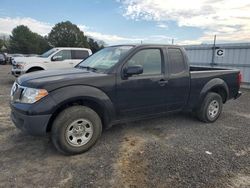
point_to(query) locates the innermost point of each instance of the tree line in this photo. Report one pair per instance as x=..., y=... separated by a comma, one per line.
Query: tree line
x=63, y=34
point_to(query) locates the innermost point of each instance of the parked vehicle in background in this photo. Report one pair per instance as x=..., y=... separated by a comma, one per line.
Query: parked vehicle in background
x=12, y=56
x=32, y=55
x=3, y=59
x=118, y=84
x=16, y=55
x=56, y=58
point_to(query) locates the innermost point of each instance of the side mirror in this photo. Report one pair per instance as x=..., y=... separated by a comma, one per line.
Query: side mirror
x=56, y=58
x=133, y=70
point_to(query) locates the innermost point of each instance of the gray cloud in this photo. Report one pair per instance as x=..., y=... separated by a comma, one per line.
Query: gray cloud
x=221, y=17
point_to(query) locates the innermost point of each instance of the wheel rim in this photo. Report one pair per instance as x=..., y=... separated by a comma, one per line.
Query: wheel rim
x=213, y=108
x=79, y=132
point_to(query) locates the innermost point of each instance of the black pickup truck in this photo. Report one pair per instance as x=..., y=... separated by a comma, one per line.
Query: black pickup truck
x=117, y=84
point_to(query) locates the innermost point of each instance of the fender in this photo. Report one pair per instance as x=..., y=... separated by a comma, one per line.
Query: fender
x=214, y=83
x=73, y=93
x=32, y=65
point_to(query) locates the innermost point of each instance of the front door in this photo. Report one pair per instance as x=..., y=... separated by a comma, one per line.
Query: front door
x=145, y=93
x=61, y=60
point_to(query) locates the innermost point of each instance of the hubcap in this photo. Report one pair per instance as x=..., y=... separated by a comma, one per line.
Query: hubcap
x=79, y=132
x=213, y=108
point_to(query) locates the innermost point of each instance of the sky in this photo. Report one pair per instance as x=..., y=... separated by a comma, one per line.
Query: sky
x=135, y=21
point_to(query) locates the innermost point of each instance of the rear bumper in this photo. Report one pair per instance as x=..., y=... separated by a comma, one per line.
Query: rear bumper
x=238, y=95
x=32, y=124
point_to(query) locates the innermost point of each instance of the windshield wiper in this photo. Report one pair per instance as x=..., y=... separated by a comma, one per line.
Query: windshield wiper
x=88, y=68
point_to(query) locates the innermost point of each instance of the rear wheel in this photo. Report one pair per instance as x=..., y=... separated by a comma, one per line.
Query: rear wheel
x=76, y=129
x=210, y=108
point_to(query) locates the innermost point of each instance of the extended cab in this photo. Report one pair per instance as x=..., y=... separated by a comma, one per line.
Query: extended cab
x=117, y=84
x=56, y=58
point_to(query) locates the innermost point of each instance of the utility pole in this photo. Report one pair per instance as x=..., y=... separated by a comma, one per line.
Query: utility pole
x=213, y=52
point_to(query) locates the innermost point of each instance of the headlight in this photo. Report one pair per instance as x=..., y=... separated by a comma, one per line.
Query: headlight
x=20, y=65
x=31, y=95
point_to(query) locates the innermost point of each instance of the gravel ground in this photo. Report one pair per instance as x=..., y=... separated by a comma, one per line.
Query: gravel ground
x=172, y=151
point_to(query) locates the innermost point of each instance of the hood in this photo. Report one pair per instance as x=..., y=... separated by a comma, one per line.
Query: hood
x=29, y=59
x=57, y=78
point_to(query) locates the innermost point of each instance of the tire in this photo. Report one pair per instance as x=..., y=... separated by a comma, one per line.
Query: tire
x=210, y=108
x=3, y=62
x=34, y=70
x=71, y=136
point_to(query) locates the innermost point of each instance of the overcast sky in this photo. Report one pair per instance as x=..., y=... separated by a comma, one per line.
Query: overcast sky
x=132, y=21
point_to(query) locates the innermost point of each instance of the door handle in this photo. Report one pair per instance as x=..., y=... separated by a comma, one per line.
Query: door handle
x=71, y=63
x=162, y=82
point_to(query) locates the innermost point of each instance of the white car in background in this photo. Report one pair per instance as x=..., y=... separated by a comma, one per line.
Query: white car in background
x=56, y=58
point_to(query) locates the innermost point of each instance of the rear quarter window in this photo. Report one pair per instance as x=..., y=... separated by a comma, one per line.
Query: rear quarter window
x=79, y=54
x=177, y=63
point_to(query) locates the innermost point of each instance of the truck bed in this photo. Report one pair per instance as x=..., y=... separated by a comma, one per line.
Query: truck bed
x=203, y=68
x=201, y=76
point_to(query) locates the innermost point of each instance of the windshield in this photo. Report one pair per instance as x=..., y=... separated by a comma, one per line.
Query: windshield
x=105, y=58
x=48, y=53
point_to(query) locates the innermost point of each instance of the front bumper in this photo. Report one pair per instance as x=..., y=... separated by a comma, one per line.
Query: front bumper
x=32, y=124
x=238, y=95
x=17, y=72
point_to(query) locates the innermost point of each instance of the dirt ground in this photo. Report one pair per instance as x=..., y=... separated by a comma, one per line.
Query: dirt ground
x=172, y=151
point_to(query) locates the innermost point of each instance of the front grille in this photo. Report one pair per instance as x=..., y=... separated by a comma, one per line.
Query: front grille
x=14, y=88
x=16, y=92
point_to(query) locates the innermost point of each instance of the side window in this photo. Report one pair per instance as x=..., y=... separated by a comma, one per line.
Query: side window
x=149, y=59
x=177, y=63
x=79, y=54
x=65, y=54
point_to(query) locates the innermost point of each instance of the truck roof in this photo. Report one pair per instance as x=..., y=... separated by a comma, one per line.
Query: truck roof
x=145, y=45
x=71, y=48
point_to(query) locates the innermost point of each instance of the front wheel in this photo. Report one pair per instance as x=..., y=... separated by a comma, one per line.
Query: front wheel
x=210, y=108
x=34, y=70
x=76, y=129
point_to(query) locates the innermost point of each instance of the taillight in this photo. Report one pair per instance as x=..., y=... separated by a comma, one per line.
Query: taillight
x=239, y=79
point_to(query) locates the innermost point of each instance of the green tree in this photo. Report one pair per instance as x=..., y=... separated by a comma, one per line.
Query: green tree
x=94, y=46
x=25, y=41
x=1, y=43
x=66, y=34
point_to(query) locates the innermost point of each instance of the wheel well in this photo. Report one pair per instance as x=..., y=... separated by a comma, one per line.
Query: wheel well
x=89, y=103
x=35, y=69
x=221, y=91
